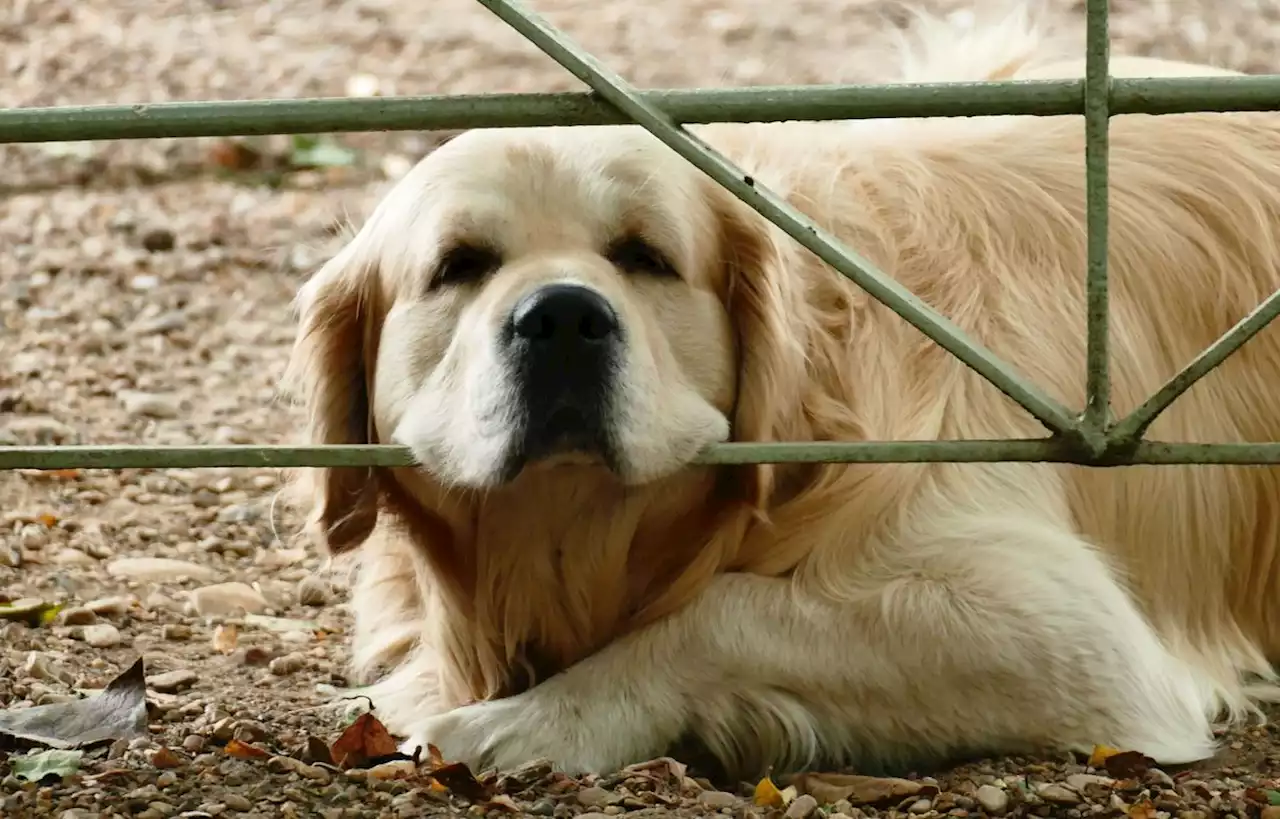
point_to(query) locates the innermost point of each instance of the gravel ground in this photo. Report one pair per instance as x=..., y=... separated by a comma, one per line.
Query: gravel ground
x=144, y=299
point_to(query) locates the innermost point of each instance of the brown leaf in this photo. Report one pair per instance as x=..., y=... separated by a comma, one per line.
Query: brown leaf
x=243, y=750
x=503, y=802
x=364, y=743
x=435, y=759
x=225, y=638
x=234, y=155
x=1142, y=810
x=1128, y=764
x=316, y=751
x=457, y=777
x=664, y=767
x=767, y=795
x=860, y=790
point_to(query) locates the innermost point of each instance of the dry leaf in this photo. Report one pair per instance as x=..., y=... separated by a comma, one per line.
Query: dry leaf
x=860, y=790
x=364, y=743
x=767, y=795
x=503, y=802
x=664, y=767
x=435, y=759
x=316, y=751
x=225, y=638
x=47, y=519
x=1142, y=810
x=117, y=712
x=234, y=155
x=1128, y=764
x=458, y=778
x=1100, y=755
x=244, y=750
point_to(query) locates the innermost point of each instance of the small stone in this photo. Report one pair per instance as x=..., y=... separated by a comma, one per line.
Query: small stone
x=72, y=557
x=225, y=599
x=158, y=240
x=993, y=800
x=170, y=682
x=287, y=664
x=313, y=591
x=158, y=570
x=166, y=779
x=921, y=806
x=236, y=802
x=1081, y=781
x=33, y=536
x=102, y=635
x=39, y=667
x=223, y=730
x=110, y=606
x=162, y=757
x=149, y=405
x=1058, y=794
x=596, y=797
x=78, y=616
x=193, y=744
x=239, y=513
x=718, y=799
x=176, y=631
x=803, y=807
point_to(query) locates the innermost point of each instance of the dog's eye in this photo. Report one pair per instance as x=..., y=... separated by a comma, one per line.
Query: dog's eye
x=465, y=263
x=638, y=256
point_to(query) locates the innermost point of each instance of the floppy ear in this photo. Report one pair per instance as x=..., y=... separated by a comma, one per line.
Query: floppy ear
x=766, y=303
x=330, y=371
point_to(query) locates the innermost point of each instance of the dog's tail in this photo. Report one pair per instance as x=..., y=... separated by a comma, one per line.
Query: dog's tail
x=972, y=46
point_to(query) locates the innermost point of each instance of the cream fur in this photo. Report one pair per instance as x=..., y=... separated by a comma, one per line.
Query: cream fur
x=862, y=613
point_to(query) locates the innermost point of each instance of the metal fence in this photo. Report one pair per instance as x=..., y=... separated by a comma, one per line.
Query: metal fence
x=1088, y=437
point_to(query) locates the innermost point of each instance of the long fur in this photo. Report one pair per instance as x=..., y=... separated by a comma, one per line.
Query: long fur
x=862, y=613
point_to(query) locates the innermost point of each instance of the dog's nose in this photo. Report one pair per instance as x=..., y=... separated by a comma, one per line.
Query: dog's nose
x=565, y=316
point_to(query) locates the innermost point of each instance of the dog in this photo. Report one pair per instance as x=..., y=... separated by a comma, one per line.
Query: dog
x=557, y=321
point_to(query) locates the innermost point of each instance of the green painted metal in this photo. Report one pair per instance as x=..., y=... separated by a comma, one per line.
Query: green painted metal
x=1133, y=426
x=1038, y=450
x=1087, y=441
x=698, y=105
x=1097, y=123
x=940, y=329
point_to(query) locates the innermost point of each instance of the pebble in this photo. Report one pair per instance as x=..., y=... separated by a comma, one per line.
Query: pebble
x=718, y=799
x=38, y=666
x=149, y=404
x=313, y=591
x=162, y=757
x=176, y=631
x=193, y=744
x=77, y=616
x=1058, y=794
x=993, y=800
x=110, y=606
x=236, y=802
x=287, y=664
x=68, y=556
x=596, y=797
x=170, y=682
x=102, y=635
x=159, y=570
x=225, y=599
x=158, y=240
x=803, y=807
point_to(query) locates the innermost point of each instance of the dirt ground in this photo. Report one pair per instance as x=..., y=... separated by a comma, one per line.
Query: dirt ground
x=144, y=292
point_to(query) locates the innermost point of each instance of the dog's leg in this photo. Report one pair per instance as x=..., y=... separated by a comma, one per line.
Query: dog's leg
x=995, y=635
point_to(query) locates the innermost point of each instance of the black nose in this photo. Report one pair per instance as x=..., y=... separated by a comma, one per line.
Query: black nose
x=564, y=314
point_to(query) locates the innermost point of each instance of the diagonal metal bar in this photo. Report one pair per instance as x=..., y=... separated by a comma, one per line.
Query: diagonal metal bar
x=1129, y=430
x=1040, y=450
x=946, y=334
x=1097, y=124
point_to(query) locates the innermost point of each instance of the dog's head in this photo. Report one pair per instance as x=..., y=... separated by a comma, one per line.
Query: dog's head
x=534, y=300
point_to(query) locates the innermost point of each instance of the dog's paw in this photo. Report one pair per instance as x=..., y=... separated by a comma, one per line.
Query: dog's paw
x=504, y=734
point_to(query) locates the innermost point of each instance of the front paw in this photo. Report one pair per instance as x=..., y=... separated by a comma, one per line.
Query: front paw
x=506, y=733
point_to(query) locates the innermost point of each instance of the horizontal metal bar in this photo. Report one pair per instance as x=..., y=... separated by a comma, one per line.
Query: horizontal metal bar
x=1135, y=424
x=795, y=224
x=700, y=105
x=1042, y=450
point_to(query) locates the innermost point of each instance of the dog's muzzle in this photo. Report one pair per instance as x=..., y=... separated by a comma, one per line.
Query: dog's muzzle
x=563, y=342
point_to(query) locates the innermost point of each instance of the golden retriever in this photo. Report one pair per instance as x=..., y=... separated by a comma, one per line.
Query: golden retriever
x=557, y=321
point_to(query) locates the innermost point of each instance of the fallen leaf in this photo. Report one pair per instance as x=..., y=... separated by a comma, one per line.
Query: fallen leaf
x=234, y=155
x=225, y=638
x=1142, y=810
x=118, y=712
x=664, y=767
x=1100, y=755
x=503, y=802
x=243, y=750
x=319, y=152
x=47, y=519
x=1128, y=764
x=36, y=765
x=767, y=795
x=1273, y=797
x=317, y=751
x=162, y=757
x=434, y=758
x=860, y=790
x=457, y=777
x=31, y=611
x=364, y=743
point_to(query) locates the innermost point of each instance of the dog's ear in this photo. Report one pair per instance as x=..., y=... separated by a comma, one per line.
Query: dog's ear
x=330, y=373
x=766, y=306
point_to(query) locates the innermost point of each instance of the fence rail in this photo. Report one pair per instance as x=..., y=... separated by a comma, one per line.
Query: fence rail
x=1087, y=437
